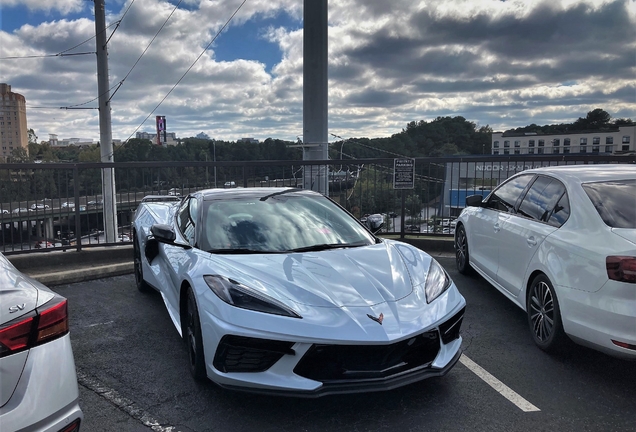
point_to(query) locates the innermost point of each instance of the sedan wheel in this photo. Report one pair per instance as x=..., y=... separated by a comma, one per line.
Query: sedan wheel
x=139, y=273
x=461, y=251
x=194, y=340
x=544, y=316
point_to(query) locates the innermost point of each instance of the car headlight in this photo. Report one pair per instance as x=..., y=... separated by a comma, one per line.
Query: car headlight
x=239, y=295
x=437, y=281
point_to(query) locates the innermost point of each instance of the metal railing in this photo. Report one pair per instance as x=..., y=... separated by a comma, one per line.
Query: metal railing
x=48, y=206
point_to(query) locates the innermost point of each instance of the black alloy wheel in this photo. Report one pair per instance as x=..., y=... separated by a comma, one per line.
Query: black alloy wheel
x=461, y=251
x=544, y=316
x=139, y=272
x=193, y=339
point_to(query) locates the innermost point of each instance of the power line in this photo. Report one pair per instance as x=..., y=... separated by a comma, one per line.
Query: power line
x=146, y=49
x=352, y=140
x=188, y=70
x=76, y=106
x=119, y=21
x=61, y=53
x=46, y=55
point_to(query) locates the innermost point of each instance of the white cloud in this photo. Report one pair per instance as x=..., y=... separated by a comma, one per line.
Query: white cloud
x=506, y=64
x=62, y=6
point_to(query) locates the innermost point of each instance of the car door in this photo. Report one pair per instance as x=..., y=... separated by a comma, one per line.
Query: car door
x=522, y=233
x=176, y=258
x=485, y=224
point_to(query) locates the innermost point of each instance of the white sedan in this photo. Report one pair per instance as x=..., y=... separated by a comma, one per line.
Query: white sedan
x=38, y=382
x=560, y=242
x=280, y=290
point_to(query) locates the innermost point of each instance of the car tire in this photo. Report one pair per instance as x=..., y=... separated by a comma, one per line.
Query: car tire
x=193, y=338
x=544, y=315
x=461, y=251
x=142, y=285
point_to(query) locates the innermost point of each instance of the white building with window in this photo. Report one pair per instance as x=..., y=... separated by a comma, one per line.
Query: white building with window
x=171, y=137
x=620, y=140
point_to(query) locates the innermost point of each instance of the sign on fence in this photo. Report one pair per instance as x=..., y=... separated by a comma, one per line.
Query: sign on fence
x=403, y=173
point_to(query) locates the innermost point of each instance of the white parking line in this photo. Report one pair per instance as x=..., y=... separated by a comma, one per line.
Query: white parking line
x=493, y=382
x=122, y=403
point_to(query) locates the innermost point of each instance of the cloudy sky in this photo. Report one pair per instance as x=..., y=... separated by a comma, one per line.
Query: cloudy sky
x=500, y=63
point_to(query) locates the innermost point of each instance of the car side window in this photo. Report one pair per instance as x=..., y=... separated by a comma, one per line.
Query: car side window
x=541, y=198
x=561, y=212
x=505, y=196
x=186, y=217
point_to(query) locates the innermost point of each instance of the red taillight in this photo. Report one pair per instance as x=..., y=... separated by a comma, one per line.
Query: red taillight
x=73, y=427
x=14, y=336
x=624, y=345
x=46, y=323
x=53, y=320
x=621, y=268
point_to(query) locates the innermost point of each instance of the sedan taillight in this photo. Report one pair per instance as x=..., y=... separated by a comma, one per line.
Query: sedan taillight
x=48, y=322
x=621, y=268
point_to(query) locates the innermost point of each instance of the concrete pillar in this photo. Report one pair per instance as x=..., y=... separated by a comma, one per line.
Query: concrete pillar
x=315, y=89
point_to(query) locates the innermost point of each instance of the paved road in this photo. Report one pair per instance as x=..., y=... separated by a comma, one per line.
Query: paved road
x=133, y=370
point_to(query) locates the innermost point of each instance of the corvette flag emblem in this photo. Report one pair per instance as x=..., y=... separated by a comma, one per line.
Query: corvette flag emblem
x=377, y=319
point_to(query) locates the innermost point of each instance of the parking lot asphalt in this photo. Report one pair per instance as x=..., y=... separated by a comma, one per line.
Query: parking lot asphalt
x=133, y=375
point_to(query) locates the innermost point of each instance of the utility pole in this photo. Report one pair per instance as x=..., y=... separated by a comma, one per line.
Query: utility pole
x=315, y=86
x=105, y=132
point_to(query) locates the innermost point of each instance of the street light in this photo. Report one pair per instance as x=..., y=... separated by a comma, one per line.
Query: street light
x=341, y=145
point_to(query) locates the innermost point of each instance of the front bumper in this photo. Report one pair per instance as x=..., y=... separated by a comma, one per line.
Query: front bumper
x=303, y=367
x=372, y=385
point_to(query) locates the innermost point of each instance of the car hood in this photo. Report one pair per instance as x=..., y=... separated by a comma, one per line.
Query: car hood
x=628, y=234
x=360, y=276
x=18, y=294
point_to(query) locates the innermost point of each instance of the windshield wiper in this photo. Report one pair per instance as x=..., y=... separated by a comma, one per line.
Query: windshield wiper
x=239, y=251
x=266, y=197
x=326, y=246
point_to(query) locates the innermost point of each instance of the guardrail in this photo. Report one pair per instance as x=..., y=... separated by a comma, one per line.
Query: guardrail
x=67, y=211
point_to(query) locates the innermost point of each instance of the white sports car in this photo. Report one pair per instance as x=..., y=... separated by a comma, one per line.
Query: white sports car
x=560, y=242
x=280, y=290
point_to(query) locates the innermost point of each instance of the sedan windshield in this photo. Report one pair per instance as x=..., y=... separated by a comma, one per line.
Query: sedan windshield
x=615, y=202
x=289, y=222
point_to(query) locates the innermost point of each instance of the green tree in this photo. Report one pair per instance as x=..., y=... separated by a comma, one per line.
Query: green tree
x=413, y=205
x=595, y=119
x=20, y=155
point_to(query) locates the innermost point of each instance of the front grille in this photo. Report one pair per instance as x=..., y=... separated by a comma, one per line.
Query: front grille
x=330, y=363
x=450, y=329
x=243, y=354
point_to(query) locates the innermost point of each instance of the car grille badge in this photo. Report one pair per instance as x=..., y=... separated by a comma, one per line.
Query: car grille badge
x=377, y=319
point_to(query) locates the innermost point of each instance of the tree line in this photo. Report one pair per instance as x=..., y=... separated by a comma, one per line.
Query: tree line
x=443, y=136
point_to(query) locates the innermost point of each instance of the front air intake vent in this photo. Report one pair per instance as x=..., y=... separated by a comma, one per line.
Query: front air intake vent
x=244, y=354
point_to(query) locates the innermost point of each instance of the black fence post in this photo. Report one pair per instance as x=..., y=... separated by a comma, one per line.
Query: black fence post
x=402, y=213
x=76, y=198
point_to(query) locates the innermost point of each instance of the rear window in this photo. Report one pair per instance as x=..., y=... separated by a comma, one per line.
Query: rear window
x=615, y=202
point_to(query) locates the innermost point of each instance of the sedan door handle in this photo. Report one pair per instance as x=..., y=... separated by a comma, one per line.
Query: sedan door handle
x=497, y=227
x=531, y=241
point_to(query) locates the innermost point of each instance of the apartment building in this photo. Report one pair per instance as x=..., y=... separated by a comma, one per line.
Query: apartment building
x=620, y=140
x=13, y=123
x=171, y=137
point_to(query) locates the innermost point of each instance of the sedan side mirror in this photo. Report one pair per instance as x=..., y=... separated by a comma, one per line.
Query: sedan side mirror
x=474, y=201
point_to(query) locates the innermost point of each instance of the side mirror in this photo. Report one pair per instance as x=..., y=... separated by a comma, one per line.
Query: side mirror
x=163, y=233
x=474, y=200
x=375, y=228
x=375, y=223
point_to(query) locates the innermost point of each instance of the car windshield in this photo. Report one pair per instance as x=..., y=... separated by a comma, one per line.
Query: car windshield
x=614, y=202
x=278, y=223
